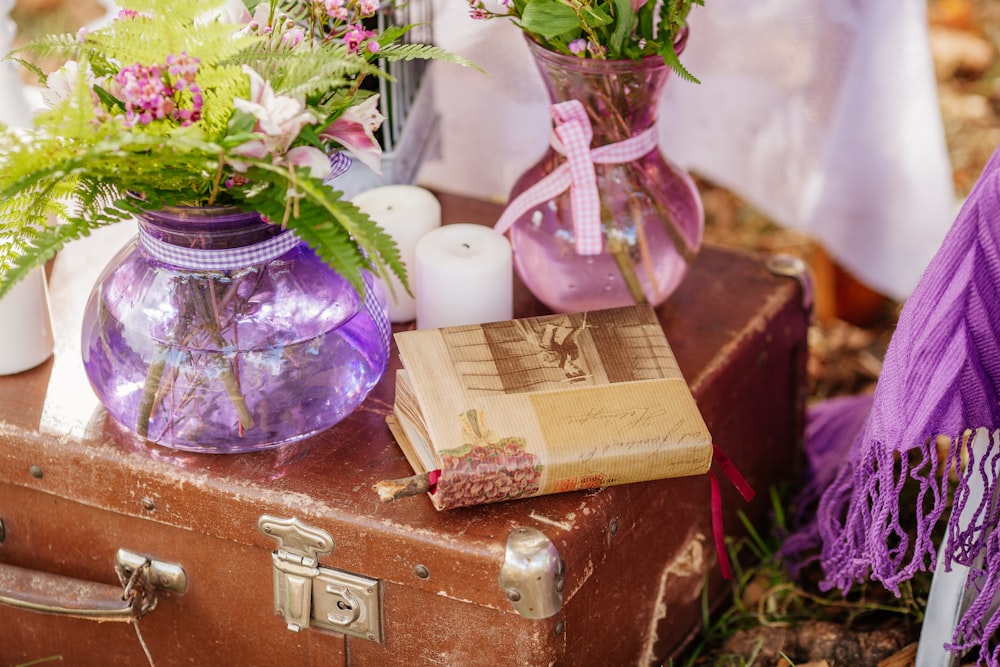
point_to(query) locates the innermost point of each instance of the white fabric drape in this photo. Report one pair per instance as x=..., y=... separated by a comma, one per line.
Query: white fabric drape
x=14, y=110
x=822, y=114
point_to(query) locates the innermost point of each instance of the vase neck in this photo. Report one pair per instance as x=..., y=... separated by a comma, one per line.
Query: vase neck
x=621, y=96
x=207, y=228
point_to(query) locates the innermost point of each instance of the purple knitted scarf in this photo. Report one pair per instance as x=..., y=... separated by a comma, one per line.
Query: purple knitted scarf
x=941, y=376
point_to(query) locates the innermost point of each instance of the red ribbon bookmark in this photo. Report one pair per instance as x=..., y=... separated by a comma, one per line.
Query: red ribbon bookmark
x=741, y=484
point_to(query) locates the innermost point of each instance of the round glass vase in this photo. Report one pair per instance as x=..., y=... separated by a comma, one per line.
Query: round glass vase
x=651, y=213
x=217, y=332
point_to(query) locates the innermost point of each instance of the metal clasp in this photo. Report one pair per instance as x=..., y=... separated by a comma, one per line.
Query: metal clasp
x=307, y=594
x=533, y=573
x=141, y=576
x=782, y=264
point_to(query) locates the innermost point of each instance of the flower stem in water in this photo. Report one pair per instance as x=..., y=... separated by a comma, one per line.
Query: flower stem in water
x=153, y=376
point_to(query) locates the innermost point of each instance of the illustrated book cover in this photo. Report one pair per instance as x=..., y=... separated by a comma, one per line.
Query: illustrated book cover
x=492, y=412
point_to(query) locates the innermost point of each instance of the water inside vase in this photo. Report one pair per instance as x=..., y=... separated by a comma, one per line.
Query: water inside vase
x=233, y=361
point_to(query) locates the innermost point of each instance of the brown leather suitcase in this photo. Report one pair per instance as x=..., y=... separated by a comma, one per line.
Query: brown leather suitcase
x=602, y=577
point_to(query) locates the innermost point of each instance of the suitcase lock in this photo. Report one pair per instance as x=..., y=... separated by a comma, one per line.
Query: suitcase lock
x=307, y=594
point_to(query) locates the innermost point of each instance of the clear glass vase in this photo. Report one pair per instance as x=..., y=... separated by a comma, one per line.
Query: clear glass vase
x=651, y=214
x=217, y=332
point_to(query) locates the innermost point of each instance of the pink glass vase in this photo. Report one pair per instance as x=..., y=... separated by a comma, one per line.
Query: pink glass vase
x=651, y=214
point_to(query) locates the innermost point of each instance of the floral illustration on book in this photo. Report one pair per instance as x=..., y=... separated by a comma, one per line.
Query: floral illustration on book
x=486, y=468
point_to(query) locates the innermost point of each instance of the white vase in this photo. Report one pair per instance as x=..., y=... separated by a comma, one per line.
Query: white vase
x=25, y=325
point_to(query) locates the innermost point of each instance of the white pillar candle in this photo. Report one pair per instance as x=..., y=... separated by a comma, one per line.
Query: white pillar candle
x=463, y=276
x=406, y=213
x=25, y=325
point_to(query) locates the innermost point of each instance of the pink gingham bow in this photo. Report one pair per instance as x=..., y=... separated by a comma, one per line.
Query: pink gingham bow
x=571, y=136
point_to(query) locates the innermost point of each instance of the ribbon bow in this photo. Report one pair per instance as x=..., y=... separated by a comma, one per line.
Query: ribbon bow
x=571, y=136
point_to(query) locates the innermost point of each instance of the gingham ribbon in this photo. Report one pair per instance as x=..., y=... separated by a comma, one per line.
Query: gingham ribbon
x=340, y=163
x=378, y=313
x=218, y=260
x=571, y=136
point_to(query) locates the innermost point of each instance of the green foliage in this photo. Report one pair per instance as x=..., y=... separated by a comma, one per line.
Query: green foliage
x=602, y=29
x=396, y=52
x=97, y=156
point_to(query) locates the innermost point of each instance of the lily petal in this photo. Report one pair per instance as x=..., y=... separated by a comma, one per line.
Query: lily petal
x=309, y=156
x=355, y=131
x=255, y=148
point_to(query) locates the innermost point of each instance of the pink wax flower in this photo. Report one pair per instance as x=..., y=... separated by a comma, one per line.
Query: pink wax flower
x=147, y=96
x=368, y=7
x=355, y=36
x=336, y=9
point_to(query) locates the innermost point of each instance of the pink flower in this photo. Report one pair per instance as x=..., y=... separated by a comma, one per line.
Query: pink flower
x=637, y=4
x=279, y=118
x=577, y=46
x=311, y=157
x=293, y=37
x=127, y=14
x=254, y=149
x=355, y=131
x=147, y=96
x=336, y=9
x=356, y=36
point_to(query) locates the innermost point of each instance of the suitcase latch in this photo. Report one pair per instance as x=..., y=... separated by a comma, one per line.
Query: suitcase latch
x=307, y=594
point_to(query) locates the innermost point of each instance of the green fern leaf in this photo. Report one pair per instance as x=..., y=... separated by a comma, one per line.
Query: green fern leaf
x=396, y=52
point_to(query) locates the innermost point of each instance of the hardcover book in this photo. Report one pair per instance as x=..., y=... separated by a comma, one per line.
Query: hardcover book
x=492, y=412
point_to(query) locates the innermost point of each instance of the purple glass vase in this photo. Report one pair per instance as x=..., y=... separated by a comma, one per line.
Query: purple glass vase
x=651, y=214
x=217, y=332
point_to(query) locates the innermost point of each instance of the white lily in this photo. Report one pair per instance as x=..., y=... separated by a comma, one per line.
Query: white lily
x=280, y=118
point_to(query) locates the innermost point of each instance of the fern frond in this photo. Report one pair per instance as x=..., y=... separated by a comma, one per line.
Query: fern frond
x=303, y=72
x=672, y=61
x=340, y=233
x=150, y=41
x=396, y=52
x=40, y=247
x=62, y=47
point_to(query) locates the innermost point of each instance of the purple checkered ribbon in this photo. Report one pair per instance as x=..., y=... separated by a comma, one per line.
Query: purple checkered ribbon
x=376, y=309
x=340, y=163
x=226, y=259
x=571, y=136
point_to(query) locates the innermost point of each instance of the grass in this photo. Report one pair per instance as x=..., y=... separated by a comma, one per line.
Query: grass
x=766, y=596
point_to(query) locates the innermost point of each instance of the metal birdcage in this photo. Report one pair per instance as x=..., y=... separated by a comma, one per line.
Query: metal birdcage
x=406, y=100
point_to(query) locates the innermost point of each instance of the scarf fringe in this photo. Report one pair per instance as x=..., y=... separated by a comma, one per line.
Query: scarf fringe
x=863, y=535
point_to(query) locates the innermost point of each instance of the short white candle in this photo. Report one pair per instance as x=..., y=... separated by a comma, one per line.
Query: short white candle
x=463, y=276
x=406, y=213
x=26, y=333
